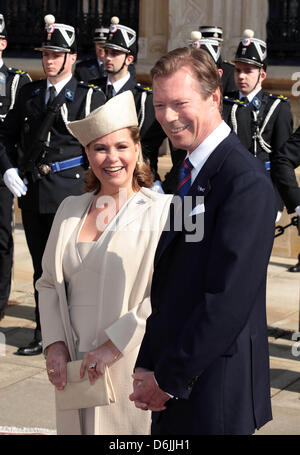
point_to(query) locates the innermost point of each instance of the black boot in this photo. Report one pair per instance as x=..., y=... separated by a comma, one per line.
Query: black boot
x=296, y=267
x=33, y=348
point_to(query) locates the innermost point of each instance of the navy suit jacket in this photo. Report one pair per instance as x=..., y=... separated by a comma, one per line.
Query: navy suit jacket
x=206, y=339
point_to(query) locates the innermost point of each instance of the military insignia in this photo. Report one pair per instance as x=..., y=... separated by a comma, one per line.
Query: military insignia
x=196, y=44
x=279, y=97
x=246, y=42
x=141, y=201
x=36, y=91
x=69, y=94
x=236, y=101
x=256, y=102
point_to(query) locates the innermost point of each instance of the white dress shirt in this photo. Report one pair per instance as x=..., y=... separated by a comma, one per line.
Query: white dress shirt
x=58, y=87
x=199, y=156
x=118, y=84
x=251, y=95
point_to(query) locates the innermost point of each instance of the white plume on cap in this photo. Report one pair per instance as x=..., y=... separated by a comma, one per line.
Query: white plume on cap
x=248, y=33
x=115, y=20
x=196, y=35
x=49, y=19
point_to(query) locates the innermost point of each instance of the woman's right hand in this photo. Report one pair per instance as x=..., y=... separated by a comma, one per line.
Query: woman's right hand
x=56, y=364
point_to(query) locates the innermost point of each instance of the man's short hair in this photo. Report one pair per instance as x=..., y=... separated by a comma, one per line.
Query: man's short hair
x=198, y=60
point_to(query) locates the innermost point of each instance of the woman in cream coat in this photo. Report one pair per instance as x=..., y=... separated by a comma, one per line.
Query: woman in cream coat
x=95, y=289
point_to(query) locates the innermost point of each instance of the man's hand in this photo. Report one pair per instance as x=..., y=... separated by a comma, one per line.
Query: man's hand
x=14, y=183
x=146, y=393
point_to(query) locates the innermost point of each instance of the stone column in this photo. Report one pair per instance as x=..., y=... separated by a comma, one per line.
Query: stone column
x=233, y=15
x=153, y=35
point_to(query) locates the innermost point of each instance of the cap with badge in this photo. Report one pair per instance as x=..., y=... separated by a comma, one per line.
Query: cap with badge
x=3, y=34
x=117, y=113
x=251, y=50
x=121, y=37
x=209, y=45
x=100, y=35
x=212, y=32
x=58, y=37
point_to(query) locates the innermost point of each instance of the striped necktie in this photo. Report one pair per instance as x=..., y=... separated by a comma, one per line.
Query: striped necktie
x=184, y=178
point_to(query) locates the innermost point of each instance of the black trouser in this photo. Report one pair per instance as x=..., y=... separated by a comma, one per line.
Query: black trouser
x=37, y=228
x=6, y=243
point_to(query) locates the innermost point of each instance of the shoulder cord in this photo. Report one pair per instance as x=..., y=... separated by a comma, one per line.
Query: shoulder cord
x=141, y=114
x=233, y=117
x=264, y=145
x=13, y=91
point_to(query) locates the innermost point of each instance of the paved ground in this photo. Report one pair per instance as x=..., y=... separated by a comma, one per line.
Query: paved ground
x=27, y=398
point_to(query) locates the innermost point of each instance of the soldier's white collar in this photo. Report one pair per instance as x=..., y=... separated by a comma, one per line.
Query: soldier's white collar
x=251, y=94
x=60, y=84
x=119, y=84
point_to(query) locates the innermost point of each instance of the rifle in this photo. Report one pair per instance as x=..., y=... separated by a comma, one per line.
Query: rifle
x=40, y=147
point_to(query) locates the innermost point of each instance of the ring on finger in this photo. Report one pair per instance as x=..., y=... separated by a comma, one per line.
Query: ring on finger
x=51, y=371
x=92, y=366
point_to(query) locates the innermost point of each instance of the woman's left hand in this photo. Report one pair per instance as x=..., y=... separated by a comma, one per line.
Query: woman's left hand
x=95, y=361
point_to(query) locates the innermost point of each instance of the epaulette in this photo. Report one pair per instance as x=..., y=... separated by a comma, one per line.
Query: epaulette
x=17, y=71
x=235, y=101
x=143, y=89
x=86, y=85
x=279, y=97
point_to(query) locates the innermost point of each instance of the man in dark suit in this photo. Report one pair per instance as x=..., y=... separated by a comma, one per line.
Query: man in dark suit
x=286, y=160
x=11, y=80
x=262, y=121
x=120, y=53
x=37, y=145
x=203, y=365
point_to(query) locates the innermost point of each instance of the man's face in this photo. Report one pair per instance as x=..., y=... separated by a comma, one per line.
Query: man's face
x=185, y=116
x=100, y=53
x=114, y=60
x=53, y=61
x=247, y=77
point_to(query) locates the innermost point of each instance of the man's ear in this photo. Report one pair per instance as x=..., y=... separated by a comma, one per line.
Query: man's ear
x=220, y=71
x=129, y=59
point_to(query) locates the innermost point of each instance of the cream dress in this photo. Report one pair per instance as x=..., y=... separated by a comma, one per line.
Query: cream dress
x=104, y=286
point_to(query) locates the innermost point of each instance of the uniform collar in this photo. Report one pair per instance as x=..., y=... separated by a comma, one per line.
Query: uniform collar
x=251, y=95
x=119, y=84
x=60, y=84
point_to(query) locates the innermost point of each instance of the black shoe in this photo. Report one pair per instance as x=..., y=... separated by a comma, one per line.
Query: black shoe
x=296, y=267
x=33, y=348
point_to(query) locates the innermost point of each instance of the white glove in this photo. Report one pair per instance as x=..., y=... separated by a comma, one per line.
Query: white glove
x=14, y=183
x=297, y=209
x=157, y=187
x=278, y=216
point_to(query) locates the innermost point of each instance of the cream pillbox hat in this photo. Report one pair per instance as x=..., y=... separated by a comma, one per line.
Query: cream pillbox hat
x=117, y=113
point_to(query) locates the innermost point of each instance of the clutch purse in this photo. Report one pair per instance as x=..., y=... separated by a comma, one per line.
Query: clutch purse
x=79, y=393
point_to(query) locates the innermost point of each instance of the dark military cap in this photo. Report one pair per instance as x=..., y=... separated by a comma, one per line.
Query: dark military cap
x=251, y=50
x=209, y=45
x=3, y=34
x=121, y=37
x=58, y=37
x=211, y=32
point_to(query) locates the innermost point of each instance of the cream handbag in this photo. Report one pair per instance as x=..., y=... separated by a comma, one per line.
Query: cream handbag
x=80, y=394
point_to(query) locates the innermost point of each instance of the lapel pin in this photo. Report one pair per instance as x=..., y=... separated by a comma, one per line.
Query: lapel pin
x=141, y=201
x=201, y=189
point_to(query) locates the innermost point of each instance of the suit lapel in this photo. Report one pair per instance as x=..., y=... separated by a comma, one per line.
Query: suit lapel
x=201, y=186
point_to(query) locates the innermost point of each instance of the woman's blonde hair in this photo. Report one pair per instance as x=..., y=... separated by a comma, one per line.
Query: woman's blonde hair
x=142, y=175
